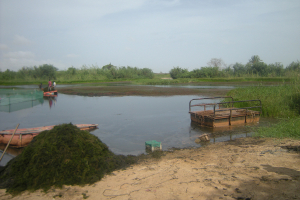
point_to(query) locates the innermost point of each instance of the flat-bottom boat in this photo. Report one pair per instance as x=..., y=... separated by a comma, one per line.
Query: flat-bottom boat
x=24, y=136
x=50, y=93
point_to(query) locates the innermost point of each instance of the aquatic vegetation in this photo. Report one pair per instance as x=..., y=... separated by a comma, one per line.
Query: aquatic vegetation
x=277, y=101
x=286, y=128
x=281, y=102
x=64, y=155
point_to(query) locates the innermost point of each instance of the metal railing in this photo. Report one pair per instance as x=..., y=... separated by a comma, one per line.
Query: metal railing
x=190, y=104
x=232, y=108
x=231, y=103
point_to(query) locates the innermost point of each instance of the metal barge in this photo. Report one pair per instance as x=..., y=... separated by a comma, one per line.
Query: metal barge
x=224, y=114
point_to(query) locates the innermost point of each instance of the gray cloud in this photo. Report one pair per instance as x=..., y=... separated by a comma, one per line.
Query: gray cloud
x=21, y=40
x=157, y=34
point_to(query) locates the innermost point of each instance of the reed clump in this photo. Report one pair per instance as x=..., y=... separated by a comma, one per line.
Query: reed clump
x=64, y=155
x=281, y=102
x=277, y=101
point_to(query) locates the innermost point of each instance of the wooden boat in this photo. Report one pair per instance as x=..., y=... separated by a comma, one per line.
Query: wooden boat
x=220, y=116
x=24, y=136
x=51, y=93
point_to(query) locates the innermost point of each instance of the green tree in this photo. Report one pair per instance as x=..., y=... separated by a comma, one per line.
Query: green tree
x=294, y=66
x=216, y=62
x=276, y=69
x=8, y=75
x=178, y=72
x=71, y=71
x=47, y=71
x=239, y=69
x=108, y=67
x=255, y=59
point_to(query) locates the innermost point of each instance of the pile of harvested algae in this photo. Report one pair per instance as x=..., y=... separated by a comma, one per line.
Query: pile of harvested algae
x=64, y=155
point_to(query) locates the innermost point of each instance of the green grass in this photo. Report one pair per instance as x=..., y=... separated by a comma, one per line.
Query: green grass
x=281, y=102
x=286, y=128
x=157, y=80
x=277, y=101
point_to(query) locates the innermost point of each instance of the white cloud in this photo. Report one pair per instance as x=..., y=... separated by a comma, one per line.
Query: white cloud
x=18, y=59
x=167, y=2
x=19, y=55
x=3, y=47
x=15, y=60
x=72, y=55
x=21, y=40
x=157, y=34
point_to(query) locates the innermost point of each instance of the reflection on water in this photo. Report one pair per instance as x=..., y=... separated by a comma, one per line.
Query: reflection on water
x=125, y=123
x=51, y=101
x=222, y=134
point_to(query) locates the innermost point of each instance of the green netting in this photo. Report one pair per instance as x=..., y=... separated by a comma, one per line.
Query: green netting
x=13, y=100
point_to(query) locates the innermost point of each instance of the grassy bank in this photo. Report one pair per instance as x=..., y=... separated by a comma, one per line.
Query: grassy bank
x=164, y=81
x=159, y=79
x=286, y=128
x=281, y=102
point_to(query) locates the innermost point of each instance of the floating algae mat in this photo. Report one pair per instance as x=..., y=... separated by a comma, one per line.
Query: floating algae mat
x=64, y=155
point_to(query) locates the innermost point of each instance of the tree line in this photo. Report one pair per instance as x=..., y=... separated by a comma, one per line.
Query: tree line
x=216, y=68
x=47, y=71
x=254, y=68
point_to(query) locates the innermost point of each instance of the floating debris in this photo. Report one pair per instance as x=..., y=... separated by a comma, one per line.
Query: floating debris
x=202, y=138
x=153, y=145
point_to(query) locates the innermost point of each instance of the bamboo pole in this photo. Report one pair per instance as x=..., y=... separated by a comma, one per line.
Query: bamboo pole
x=9, y=142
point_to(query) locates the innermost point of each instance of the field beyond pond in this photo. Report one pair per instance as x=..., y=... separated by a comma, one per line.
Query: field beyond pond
x=133, y=90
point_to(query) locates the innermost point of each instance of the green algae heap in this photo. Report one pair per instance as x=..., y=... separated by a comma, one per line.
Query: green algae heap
x=64, y=155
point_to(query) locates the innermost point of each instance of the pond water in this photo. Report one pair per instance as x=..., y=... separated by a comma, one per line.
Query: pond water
x=124, y=123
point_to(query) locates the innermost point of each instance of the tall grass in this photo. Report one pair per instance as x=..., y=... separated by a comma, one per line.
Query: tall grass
x=277, y=101
x=281, y=101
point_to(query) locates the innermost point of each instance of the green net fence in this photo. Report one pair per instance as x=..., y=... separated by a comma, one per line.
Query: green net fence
x=17, y=99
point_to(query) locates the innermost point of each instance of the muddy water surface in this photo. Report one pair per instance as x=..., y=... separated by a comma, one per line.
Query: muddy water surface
x=125, y=122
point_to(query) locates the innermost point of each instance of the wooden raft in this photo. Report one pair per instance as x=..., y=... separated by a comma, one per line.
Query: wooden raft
x=222, y=117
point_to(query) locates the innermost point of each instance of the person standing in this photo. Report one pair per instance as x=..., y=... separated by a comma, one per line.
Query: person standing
x=49, y=85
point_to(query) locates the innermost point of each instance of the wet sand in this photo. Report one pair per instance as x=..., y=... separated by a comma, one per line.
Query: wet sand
x=245, y=168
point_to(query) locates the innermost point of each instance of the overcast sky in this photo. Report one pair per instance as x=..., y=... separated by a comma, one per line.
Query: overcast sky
x=155, y=34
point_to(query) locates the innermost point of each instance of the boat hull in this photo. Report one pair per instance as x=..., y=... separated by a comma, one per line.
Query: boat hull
x=51, y=94
x=24, y=136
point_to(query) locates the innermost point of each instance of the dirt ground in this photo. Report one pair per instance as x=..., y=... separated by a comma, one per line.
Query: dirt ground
x=245, y=168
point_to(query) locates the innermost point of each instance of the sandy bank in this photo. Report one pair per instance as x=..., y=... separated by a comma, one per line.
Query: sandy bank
x=245, y=168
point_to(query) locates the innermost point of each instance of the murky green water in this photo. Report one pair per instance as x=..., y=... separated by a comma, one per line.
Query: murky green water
x=125, y=123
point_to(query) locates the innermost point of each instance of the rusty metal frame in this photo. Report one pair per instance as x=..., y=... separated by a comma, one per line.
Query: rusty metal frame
x=232, y=102
x=190, y=103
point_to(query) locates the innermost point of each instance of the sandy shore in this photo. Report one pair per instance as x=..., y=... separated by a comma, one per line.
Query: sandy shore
x=245, y=168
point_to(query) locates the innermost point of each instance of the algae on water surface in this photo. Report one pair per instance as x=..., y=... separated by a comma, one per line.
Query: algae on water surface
x=64, y=155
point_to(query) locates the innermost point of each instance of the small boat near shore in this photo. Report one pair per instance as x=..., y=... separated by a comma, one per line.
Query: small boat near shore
x=24, y=136
x=51, y=93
